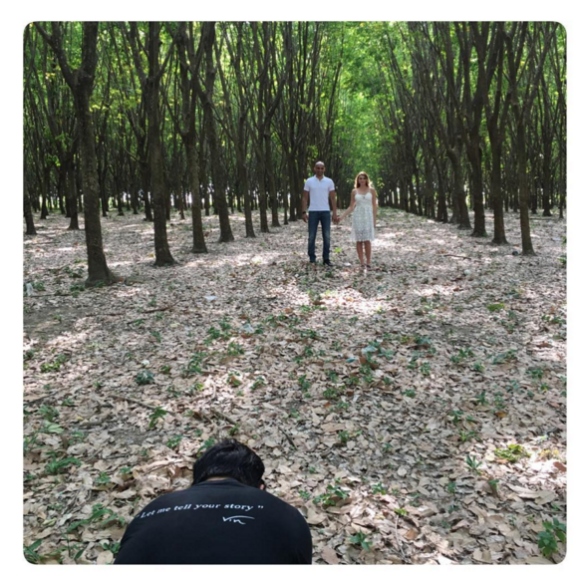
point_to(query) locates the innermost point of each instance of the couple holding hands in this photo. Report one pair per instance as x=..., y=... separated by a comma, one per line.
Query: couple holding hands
x=319, y=194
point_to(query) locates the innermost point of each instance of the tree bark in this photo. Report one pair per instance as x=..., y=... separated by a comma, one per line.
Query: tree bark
x=81, y=83
x=163, y=255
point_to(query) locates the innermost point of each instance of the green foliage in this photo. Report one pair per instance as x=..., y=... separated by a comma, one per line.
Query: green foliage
x=61, y=465
x=235, y=349
x=194, y=365
x=54, y=365
x=379, y=488
x=473, y=464
x=155, y=416
x=361, y=539
x=548, y=539
x=173, y=442
x=31, y=552
x=103, y=479
x=144, y=377
x=511, y=453
x=333, y=493
x=99, y=514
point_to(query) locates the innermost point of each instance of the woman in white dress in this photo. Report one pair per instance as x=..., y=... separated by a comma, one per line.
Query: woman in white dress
x=363, y=202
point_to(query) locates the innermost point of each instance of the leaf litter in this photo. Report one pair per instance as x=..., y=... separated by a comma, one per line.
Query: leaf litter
x=383, y=403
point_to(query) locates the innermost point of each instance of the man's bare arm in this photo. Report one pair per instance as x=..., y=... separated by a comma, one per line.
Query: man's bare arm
x=305, y=196
x=332, y=197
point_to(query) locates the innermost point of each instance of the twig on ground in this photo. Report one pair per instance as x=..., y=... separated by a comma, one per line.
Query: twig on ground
x=399, y=543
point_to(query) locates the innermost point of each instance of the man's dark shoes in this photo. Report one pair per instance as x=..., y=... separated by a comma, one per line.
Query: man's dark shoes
x=328, y=264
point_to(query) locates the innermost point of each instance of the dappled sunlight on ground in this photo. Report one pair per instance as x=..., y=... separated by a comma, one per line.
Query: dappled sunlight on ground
x=448, y=348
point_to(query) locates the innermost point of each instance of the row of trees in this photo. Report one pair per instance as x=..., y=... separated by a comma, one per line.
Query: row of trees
x=478, y=108
x=231, y=116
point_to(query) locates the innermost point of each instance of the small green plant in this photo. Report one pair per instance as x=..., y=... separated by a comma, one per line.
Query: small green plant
x=478, y=367
x=451, y=487
x=49, y=413
x=480, y=399
x=512, y=453
x=409, y=393
x=493, y=484
x=536, y=373
x=294, y=414
x=548, y=539
x=330, y=393
x=503, y=357
x=194, y=365
x=425, y=369
x=467, y=435
x=304, y=494
x=155, y=334
x=234, y=349
x=103, y=479
x=99, y=513
x=304, y=383
x=155, y=416
x=144, y=377
x=173, y=442
x=344, y=436
x=333, y=492
x=387, y=448
x=31, y=552
x=401, y=512
x=60, y=465
x=76, y=288
x=457, y=416
x=259, y=382
x=498, y=401
x=233, y=431
x=473, y=464
x=495, y=307
x=165, y=370
x=53, y=366
x=361, y=539
x=379, y=488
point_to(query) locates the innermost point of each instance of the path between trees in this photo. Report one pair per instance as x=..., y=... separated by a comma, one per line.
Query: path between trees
x=383, y=404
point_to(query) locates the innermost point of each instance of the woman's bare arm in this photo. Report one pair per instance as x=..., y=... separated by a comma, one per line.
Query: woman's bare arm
x=352, y=204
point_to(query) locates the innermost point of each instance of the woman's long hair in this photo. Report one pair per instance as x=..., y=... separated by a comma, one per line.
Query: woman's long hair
x=363, y=174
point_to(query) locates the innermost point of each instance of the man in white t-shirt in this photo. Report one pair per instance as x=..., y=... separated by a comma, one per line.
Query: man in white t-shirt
x=320, y=195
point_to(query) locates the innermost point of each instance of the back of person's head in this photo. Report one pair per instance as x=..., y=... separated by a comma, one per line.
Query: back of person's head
x=229, y=458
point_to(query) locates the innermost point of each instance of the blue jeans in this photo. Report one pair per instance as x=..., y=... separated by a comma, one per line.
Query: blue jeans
x=324, y=218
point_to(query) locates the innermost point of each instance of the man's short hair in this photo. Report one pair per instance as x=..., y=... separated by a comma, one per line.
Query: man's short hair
x=229, y=458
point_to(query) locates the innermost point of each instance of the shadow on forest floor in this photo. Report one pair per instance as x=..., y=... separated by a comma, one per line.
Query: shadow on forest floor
x=382, y=402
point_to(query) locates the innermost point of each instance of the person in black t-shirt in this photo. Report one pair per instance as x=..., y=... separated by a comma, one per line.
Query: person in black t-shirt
x=225, y=517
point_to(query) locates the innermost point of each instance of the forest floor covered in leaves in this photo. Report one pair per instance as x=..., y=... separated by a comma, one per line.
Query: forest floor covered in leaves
x=415, y=413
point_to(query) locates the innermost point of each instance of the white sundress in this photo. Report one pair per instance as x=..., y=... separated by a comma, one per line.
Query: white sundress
x=363, y=229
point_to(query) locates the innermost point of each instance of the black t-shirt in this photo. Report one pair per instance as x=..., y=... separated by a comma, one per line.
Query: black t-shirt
x=217, y=522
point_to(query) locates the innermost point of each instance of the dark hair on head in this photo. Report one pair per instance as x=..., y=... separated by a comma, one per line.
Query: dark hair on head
x=229, y=458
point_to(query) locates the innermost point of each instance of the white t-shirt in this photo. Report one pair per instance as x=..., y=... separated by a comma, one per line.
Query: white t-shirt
x=319, y=190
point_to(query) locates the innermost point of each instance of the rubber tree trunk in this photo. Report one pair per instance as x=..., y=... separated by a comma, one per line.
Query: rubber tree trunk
x=524, y=193
x=499, y=237
x=163, y=255
x=199, y=246
x=474, y=155
x=30, y=229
